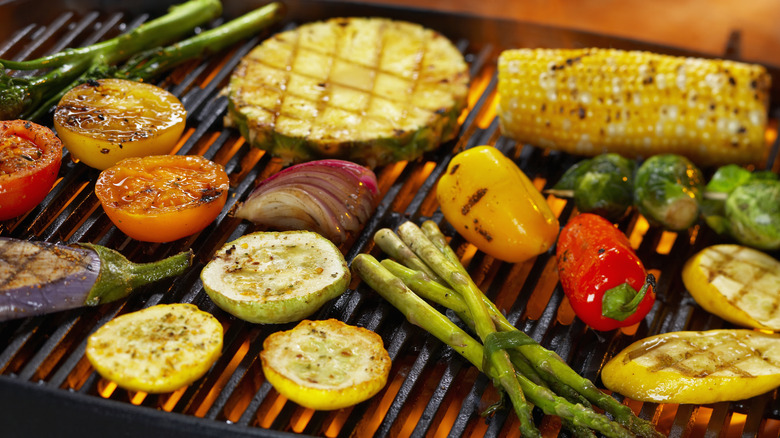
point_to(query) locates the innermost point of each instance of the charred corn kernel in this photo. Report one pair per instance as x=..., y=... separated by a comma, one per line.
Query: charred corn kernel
x=590, y=101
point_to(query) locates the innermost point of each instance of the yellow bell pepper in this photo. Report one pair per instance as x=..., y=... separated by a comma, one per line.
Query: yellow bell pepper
x=494, y=205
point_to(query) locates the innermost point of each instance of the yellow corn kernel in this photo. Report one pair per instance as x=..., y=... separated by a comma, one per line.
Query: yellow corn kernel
x=591, y=101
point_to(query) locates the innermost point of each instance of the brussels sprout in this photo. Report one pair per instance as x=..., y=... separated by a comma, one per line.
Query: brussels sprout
x=668, y=191
x=753, y=214
x=723, y=182
x=602, y=185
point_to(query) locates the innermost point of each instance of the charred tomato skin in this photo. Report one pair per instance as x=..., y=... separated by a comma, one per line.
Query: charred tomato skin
x=593, y=258
x=30, y=160
x=162, y=198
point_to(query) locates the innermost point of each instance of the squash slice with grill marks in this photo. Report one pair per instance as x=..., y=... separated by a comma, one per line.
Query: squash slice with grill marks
x=698, y=367
x=369, y=90
x=737, y=283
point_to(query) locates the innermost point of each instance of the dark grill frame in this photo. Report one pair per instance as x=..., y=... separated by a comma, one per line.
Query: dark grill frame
x=42, y=357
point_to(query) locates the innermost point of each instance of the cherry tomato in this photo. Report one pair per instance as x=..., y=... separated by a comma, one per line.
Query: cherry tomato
x=162, y=198
x=601, y=275
x=30, y=158
x=102, y=122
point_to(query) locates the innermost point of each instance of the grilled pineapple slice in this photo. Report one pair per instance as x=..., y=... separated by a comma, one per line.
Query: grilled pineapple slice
x=737, y=283
x=696, y=367
x=369, y=90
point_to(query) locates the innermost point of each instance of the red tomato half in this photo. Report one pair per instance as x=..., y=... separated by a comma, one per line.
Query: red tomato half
x=30, y=158
x=161, y=198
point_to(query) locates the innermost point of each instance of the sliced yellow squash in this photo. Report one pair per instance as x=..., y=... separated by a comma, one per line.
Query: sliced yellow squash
x=736, y=283
x=326, y=365
x=158, y=349
x=696, y=367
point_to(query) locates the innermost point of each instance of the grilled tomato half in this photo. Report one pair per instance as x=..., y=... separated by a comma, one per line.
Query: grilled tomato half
x=162, y=198
x=326, y=365
x=101, y=122
x=30, y=158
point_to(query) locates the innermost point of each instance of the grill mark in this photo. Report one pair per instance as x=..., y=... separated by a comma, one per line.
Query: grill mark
x=668, y=362
x=321, y=104
x=19, y=267
x=717, y=268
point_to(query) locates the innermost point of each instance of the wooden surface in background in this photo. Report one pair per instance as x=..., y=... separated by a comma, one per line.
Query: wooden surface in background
x=701, y=25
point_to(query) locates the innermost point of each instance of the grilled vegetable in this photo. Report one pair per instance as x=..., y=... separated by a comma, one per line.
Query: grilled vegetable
x=102, y=122
x=330, y=197
x=668, y=191
x=22, y=96
x=753, y=214
x=696, y=367
x=537, y=370
x=326, y=365
x=30, y=159
x=602, y=185
x=39, y=277
x=737, y=283
x=590, y=101
x=32, y=96
x=161, y=198
x=369, y=90
x=275, y=277
x=604, y=280
x=494, y=205
x=158, y=349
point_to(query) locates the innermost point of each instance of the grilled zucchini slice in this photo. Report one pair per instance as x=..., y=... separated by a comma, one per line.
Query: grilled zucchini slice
x=275, y=277
x=737, y=283
x=158, y=349
x=369, y=90
x=696, y=367
x=326, y=365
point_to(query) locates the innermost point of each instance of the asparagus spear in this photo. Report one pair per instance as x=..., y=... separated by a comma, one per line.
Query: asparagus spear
x=483, y=324
x=548, y=364
x=422, y=314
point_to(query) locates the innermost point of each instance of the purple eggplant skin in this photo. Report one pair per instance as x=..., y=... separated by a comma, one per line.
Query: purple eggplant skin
x=39, y=277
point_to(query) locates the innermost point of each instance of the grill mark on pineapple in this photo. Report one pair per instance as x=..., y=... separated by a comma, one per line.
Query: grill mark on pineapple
x=408, y=108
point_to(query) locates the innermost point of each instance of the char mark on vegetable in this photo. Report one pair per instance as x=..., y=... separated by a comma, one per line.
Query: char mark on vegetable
x=473, y=200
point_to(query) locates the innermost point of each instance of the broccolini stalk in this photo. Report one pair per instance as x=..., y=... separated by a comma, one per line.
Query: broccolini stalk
x=420, y=313
x=30, y=97
x=151, y=63
x=21, y=95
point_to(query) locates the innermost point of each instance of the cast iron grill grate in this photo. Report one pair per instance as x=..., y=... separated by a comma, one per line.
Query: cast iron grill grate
x=431, y=390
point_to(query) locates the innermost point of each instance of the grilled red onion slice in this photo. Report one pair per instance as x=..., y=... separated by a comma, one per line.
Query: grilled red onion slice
x=331, y=197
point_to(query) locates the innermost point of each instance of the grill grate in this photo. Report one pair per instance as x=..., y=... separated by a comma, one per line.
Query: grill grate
x=431, y=392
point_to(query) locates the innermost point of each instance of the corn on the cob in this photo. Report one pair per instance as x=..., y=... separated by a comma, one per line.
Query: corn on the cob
x=590, y=101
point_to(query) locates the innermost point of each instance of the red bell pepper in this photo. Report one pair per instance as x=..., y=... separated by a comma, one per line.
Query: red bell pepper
x=601, y=275
x=30, y=158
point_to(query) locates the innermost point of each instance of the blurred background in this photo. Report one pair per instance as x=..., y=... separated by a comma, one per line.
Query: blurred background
x=701, y=25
